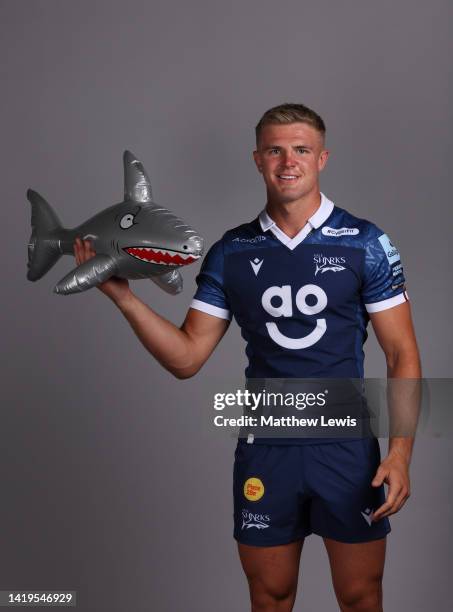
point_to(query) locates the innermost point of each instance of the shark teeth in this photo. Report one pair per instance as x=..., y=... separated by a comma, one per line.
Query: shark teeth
x=163, y=257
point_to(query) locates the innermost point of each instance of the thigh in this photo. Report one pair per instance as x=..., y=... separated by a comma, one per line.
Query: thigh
x=340, y=476
x=268, y=506
x=271, y=569
x=356, y=567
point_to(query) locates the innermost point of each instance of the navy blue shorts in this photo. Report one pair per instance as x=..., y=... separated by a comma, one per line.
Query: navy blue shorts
x=284, y=493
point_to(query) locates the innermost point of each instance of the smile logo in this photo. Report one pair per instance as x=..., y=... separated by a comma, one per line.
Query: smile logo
x=278, y=302
x=253, y=489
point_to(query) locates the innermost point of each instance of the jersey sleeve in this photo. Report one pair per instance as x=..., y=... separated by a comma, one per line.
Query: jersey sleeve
x=210, y=296
x=384, y=283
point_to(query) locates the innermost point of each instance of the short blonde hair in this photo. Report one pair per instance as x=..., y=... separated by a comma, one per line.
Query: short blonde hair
x=291, y=113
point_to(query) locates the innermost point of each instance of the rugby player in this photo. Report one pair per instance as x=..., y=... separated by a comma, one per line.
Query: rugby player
x=302, y=280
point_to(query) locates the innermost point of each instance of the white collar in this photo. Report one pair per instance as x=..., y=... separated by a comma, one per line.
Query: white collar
x=316, y=220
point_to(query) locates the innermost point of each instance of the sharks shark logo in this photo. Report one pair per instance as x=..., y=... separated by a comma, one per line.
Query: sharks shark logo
x=325, y=268
x=257, y=521
x=325, y=264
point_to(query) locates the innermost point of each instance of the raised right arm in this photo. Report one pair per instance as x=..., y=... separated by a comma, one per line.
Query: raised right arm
x=180, y=350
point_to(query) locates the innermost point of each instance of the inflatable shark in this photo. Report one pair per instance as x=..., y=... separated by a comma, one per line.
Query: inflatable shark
x=133, y=239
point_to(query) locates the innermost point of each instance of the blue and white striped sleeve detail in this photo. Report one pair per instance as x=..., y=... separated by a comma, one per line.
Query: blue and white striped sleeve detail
x=384, y=282
x=221, y=313
x=210, y=296
x=389, y=303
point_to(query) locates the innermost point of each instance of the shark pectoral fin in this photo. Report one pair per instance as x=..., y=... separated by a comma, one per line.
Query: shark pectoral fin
x=89, y=274
x=171, y=282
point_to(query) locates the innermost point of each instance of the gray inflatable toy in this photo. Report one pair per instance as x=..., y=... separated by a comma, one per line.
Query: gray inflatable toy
x=134, y=239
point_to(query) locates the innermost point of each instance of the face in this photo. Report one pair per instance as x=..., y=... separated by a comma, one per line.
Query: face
x=290, y=158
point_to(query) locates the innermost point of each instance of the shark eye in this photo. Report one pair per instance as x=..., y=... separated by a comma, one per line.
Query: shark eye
x=127, y=221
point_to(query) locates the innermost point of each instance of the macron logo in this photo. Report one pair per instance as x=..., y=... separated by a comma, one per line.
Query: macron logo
x=368, y=515
x=256, y=265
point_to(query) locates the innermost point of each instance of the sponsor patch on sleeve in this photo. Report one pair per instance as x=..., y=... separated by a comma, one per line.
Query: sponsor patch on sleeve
x=397, y=269
x=391, y=252
x=398, y=285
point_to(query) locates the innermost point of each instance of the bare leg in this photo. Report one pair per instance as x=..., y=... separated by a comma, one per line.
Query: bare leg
x=357, y=571
x=272, y=574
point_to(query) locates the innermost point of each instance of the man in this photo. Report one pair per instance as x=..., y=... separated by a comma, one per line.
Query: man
x=302, y=257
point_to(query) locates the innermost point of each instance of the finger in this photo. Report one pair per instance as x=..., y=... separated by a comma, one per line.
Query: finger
x=85, y=250
x=389, y=504
x=379, y=477
x=91, y=250
x=379, y=513
x=77, y=252
x=83, y=256
x=399, y=503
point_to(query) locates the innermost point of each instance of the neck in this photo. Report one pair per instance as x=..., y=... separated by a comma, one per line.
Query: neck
x=291, y=217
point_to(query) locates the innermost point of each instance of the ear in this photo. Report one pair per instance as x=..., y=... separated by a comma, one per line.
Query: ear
x=322, y=161
x=257, y=159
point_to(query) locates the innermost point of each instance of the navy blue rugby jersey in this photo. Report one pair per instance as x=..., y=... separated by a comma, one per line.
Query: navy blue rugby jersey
x=302, y=303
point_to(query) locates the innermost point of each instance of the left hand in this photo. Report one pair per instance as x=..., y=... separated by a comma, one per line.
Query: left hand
x=394, y=471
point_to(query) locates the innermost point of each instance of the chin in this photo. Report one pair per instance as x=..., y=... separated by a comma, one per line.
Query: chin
x=287, y=198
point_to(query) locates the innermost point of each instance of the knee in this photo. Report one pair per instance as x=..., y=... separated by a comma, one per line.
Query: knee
x=267, y=597
x=361, y=597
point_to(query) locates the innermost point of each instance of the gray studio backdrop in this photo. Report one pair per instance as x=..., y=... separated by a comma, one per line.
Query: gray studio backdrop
x=109, y=485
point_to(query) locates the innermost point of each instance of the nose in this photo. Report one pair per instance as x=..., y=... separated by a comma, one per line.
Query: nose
x=194, y=245
x=288, y=159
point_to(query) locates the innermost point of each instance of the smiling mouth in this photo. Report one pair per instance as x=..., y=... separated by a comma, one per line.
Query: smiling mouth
x=287, y=177
x=164, y=257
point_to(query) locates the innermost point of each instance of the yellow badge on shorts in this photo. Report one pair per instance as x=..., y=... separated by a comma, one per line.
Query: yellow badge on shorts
x=253, y=489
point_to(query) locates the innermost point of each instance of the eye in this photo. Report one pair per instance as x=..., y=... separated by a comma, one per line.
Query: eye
x=301, y=150
x=127, y=221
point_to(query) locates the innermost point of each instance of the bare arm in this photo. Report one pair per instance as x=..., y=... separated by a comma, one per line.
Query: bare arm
x=395, y=333
x=182, y=351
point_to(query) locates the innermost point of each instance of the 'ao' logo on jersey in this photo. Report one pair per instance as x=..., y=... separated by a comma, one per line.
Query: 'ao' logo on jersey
x=285, y=309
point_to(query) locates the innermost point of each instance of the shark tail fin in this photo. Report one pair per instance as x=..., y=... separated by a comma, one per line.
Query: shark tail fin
x=43, y=249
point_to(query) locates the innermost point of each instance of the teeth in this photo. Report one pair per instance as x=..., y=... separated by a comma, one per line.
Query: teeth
x=287, y=176
x=161, y=256
x=165, y=252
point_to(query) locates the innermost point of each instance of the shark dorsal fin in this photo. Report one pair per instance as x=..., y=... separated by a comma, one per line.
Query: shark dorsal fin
x=136, y=182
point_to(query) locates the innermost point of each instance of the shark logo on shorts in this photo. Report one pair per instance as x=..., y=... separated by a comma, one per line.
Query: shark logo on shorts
x=259, y=521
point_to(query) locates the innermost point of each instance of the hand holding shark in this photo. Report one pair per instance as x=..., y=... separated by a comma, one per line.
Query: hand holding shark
x=133, y=239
